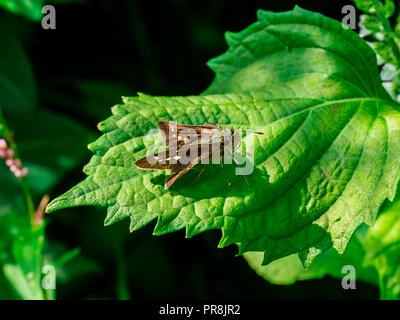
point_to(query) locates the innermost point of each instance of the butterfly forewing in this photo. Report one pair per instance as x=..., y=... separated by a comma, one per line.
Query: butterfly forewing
x=180, y=169
x=158, y=161
x=175, y=134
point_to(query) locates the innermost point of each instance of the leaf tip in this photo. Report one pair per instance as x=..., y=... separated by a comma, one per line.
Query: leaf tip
x=101, y=125
x=141, y=94
x=297, y=8
x=223, y=243
x=231, y=38
x=125, y=99
x=262, y=15
x=54, y=205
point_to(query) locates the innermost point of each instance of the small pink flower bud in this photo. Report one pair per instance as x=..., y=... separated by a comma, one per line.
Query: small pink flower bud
x=9, y=162
x=2, y=154
x=14, y=169
x=10, y=153
x=18, y=163
x=18, y=173
x=38, y=218
x=3, y=144
x=24, y=171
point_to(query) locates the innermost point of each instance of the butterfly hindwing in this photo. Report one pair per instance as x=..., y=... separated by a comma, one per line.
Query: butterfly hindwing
x=180, y=169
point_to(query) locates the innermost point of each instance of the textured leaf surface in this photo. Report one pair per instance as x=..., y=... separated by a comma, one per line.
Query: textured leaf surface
x=327, y=160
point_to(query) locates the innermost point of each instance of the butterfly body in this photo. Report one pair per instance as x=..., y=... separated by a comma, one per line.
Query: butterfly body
x=189, y=145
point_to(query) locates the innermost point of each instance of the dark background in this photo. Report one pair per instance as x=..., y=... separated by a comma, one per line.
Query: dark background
x=102, y=50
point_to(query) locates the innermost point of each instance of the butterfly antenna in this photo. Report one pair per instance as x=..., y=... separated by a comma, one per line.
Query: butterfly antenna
x=245, y=179
x=242, y=176
x=198, y=176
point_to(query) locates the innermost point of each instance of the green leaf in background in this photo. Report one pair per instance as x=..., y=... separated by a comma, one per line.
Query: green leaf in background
x=289, y=270
x=69, y=264
x=382, y=244
x=23, y=267
x=385, y=7
x=383, y=39
x=370, y=24
x=326, y=162
x=50, y=145
x=17, y=85
x=3, y=126
x=90, y=97
x=31, y=9
x=377, y=247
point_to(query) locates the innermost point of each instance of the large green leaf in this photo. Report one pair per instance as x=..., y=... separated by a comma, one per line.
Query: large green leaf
x=326, y=162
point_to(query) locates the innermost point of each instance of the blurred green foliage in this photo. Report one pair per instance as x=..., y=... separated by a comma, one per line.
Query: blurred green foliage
x=31, y=9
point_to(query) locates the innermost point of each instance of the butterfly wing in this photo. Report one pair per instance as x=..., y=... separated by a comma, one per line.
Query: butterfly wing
x=180, y=169
x=158, y=161
x=175, y=135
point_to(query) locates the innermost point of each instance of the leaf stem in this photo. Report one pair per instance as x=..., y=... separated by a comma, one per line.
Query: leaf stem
x=122, y=276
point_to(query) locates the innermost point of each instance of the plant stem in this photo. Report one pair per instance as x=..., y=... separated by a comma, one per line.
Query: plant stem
x=29, y=201
x=24, y=182
x=122, y=276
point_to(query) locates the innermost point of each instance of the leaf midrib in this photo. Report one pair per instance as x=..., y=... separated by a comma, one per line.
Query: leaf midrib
x=310, y=108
